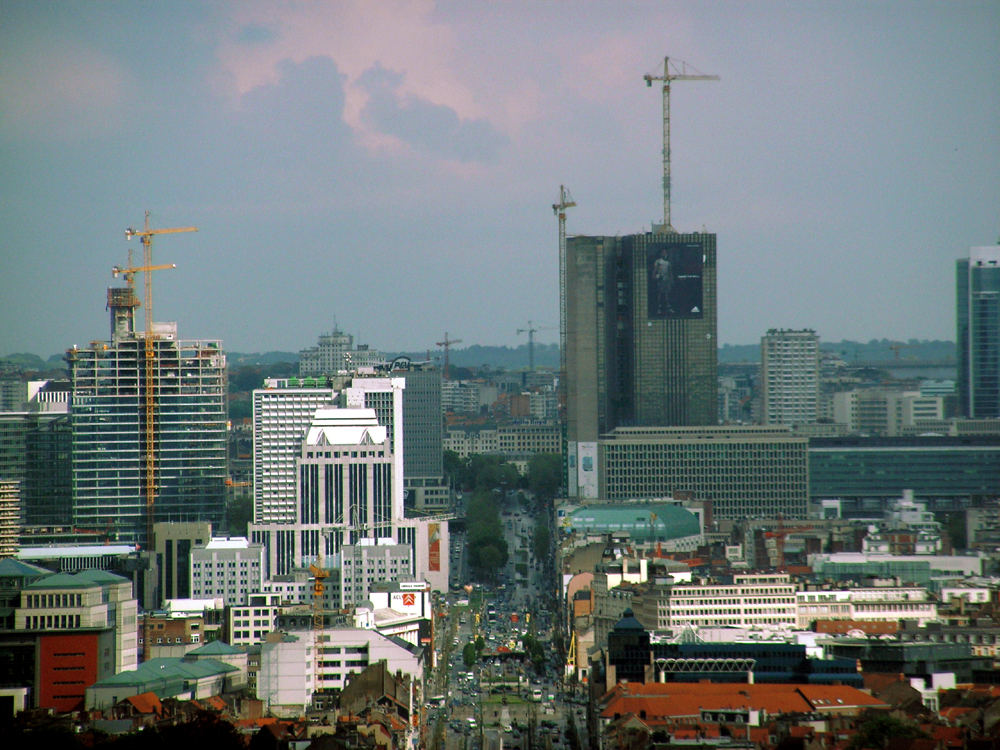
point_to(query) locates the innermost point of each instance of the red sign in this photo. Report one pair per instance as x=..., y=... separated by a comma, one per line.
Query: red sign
x=409, y=600
x=434, y=547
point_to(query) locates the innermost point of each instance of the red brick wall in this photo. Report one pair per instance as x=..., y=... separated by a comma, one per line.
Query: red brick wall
x=67, y=666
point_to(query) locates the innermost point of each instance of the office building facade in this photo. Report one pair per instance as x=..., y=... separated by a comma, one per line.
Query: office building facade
x=226, y=567
x=868, y=474
x=742, y=471
x=978, y=334
x=108, y=418
x=282, y=413
x=789, y=376
x=641, y=345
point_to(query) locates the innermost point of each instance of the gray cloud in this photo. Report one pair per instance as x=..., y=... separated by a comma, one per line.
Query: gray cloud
x=426, y=126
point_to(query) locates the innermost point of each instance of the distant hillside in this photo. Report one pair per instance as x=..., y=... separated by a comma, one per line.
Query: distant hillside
x=876, y=350
x=33, y=363
x=241, y=359
x=547, y=355
x=495, y=357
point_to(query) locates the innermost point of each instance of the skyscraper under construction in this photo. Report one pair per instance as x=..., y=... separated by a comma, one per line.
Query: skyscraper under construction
x=641, y=344
x=639, y=323
x=108, y=414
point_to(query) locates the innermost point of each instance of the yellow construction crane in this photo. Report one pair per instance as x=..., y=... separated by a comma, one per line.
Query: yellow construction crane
x=571, y=657
x=679, y=72
x=319, y=575
x=145, y=236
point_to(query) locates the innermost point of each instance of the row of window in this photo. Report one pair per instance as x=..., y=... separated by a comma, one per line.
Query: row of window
x=52, y=601
x=39, y=622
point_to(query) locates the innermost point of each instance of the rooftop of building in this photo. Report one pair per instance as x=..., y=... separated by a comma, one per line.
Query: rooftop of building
x=85, y=579
x=228, y=542
x=689, y=699
x=11, y=568
x=643, y=522
x=53, y=551
x=345, y=426
x=216, y=648
x=167, y=669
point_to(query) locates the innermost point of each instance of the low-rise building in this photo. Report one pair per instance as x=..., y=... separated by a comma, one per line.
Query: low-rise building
x=78, y=628
x=296, y=665
x=187, y=678
x=878, y=603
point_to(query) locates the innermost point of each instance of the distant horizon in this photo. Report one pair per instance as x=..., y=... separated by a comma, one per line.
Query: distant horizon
x=544, y=345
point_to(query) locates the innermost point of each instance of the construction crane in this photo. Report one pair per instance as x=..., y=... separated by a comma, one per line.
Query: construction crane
x=679, y=72
x=320, y=574
x=447, y=348
x=531, y=330
x=559, y=209
x=145, y=236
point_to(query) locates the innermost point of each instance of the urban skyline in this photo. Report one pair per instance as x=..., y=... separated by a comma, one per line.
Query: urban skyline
x=843, y=168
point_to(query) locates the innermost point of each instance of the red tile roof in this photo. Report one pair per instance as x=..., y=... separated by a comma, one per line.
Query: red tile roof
x=146, y=703
x=659, y=700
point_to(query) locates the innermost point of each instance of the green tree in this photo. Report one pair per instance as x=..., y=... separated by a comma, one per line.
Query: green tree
x=545, y=474
x=540, y=541
x=878, y=727
x=239, y=513
x=484, y=533
x=469, y=655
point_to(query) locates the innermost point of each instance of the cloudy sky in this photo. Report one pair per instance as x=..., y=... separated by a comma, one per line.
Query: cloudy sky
x=390, y=167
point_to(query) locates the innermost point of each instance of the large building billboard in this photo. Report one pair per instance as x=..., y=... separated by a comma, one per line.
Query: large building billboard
x=434, y=547
x=673, y=277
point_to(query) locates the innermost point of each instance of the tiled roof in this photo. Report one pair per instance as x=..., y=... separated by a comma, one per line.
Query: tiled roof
x=680, y=699
x=100, y=576
x=11, y=568
x=215, y=648
x=146, y=703
x=60, y=581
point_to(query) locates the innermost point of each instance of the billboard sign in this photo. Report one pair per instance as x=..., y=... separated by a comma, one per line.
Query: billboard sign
x=434, y=547
x=674, y=280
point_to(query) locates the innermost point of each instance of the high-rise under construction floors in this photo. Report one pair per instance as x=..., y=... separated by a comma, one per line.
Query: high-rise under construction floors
x=109, y=424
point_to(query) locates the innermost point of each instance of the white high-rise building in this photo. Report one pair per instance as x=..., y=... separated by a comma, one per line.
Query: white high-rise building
x=298, y=458
x=281, y=417
x=343, y=482
x=789, y=376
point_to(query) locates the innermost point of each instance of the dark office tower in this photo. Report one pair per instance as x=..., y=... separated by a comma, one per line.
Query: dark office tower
x=978, y=335
x=641, y=345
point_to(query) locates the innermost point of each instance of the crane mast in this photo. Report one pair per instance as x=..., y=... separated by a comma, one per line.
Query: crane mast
x=559, y=209
x=679, y=73
x=145, y=236
x=446, y=345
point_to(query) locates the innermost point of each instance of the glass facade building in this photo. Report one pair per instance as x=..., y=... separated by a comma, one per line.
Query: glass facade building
x=108, y=424
x=948, y=473
x=977, y=313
